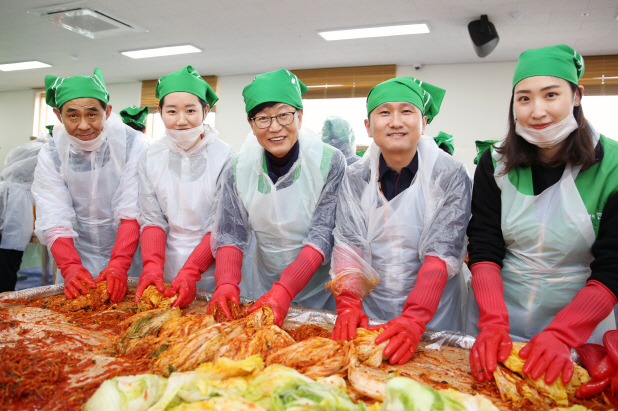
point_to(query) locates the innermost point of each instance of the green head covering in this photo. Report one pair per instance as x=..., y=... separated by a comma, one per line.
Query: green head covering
x=337, y=128
x=446, y=139
x=134, y=115
x=188, y=80
x=481, y=147
x=425, y=96
x=50, y=129
x=280, y=86
x=59, y=90
x=558, y=61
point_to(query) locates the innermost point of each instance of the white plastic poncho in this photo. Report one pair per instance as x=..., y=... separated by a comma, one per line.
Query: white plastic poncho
x=16, y=202
x=177, y=194
x=548, y=240
x=285, y=216
x=393, y=237
x=84, y=195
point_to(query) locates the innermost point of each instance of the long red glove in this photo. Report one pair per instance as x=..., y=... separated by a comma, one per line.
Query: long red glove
x=549, y=351
x=493, y=343
x=71, y=268
x=293, y=279
x=601, y=363
x=120, y=261
x=153, y=258
x=227, y=278
x=406, y=330
x=191, y=272
x=350, y=316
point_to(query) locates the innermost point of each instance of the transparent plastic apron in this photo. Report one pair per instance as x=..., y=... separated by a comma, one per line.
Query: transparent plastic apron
x=548, y=254
x=187, y=201
x=18, y=218
x=92, y=192
x=394, y=232
x=281, y=219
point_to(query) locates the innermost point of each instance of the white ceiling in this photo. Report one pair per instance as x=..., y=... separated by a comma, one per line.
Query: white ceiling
x=253, y=36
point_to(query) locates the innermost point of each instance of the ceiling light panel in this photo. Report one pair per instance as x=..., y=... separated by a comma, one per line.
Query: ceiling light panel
x=161, y=51
x=24, y=65
x=401, y=30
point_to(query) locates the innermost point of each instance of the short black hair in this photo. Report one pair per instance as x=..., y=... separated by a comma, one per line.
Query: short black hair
x=137, y=127
x=104, y=105
x=261, y=107
x=202, y=102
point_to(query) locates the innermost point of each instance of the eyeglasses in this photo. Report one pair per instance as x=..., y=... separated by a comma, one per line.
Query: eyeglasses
x=283, y=119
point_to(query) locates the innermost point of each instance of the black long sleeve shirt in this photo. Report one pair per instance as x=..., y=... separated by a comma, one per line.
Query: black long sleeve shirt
x=486, y=242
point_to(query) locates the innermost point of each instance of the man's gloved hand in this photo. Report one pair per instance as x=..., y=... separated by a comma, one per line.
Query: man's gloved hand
x=350, y=316
x=493, y=344
x=404, y=334
x=71, y=268
x=120, y=260
x=153, y=256
x=279, y=299
x=224, y=293
x=546, y=353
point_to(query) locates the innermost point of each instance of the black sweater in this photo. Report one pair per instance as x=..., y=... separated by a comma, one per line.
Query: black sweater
x=486, y=242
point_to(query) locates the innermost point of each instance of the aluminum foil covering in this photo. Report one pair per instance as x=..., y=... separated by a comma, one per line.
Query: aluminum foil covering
x=296, y=313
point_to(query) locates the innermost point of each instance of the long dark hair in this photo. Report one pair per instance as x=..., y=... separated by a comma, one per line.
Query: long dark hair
x=577, y=148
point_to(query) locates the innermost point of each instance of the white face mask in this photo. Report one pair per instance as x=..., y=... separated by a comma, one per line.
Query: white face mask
x=548, y=137
x=87, y=145
x=185, y=139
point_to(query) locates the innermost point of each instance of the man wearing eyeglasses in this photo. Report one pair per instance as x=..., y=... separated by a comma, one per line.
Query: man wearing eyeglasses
x=282, y=187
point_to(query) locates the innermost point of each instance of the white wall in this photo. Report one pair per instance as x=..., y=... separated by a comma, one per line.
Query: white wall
x=16, y=117
x=123, y=95
x=231, y=119
x=475, y=105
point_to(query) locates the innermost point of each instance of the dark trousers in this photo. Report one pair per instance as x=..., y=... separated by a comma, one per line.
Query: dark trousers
x=10, y=260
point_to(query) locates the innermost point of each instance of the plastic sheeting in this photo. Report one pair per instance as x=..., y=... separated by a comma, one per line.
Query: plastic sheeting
x=16, y=202
x=441, y=215
x=337, y=132
x=177, y=194
x=84, y=195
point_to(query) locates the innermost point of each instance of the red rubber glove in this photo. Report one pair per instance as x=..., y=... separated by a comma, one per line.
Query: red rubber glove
x=153, y=258
x=293, y=279
x=493, y=343
x=71, y=268
x=120, y=261
x=185, y=283
x=227, y=278
x=549, y=351
x=350, y=316
x=591, y=355
x=406, y=330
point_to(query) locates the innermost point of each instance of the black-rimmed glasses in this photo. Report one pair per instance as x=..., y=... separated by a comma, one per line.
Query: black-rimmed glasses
x=283, y=119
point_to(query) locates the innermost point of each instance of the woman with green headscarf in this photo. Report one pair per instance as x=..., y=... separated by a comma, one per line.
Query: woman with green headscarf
x=178, y=182
x=543, y=261
x=400, y=227
x=282, y=187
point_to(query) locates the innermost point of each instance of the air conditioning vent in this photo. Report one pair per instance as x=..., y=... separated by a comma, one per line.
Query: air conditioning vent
x=85, y=18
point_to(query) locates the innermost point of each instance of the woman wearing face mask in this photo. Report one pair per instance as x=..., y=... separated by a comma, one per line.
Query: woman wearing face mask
x=543, y=260
x=178, y=179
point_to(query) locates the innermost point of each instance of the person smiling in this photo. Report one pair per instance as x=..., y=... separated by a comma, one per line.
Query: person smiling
x=282, y=187
x=400, y=229
x=86, y=188
x=178, y=181
x=544, y=227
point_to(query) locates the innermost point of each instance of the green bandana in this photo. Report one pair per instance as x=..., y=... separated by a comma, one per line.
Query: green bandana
x=425, y=96
x=279, y=86
x=558, y=61
x=50, y=129
x=446, y=139
x=481, y=147
x=188, y=80
x=337, y=128
x=134, y=115
x=59, y=90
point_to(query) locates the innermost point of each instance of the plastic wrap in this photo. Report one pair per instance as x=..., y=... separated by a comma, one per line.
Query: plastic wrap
x=177, y=194
x=337, y=132
x=87, y=193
